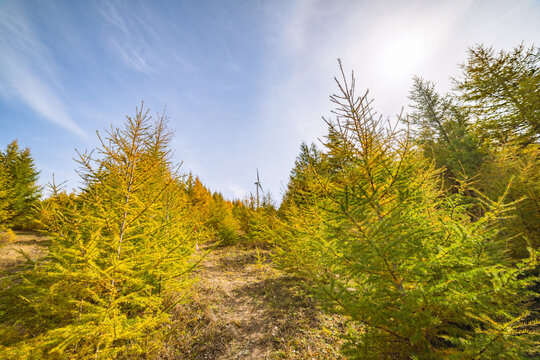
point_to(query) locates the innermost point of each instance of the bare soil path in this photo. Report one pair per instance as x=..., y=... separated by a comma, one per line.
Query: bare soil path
x=246, y=309
x=242, y=308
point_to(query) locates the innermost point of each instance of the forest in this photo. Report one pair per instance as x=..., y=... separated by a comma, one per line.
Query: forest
x=407, y=238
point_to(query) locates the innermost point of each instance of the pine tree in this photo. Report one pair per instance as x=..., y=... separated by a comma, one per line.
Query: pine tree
x=504, y=91
x=119, y=257
x=4, y=196
x=485, y=131
x=298, y=186
x=443, y=129
x=19, y=191
x=222, y=220
x=387, y=248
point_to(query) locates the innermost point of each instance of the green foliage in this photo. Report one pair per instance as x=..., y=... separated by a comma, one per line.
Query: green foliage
x=487, y=131
x=499, y=95
x=229, y=222
x=118, y=260
x=519, y=167
x=19, y=191
x=242, y=213
x=262, y=221
x=222, y=220
x=386, y=247
x=503, y=90
x=214, y=214
x=299, y=180
x=443, y=130
x=4, y=197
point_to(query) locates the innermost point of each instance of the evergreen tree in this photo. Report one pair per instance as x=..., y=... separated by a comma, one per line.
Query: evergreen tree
x=214, y=213
x=222, y=221
x=504, y=91
x=443, y=129
x=262, y=221
x=242, y=214
x=19, y=191
x=387, y=248
x=119, y=257
x=519, y=167
x=200, y=199
x=4, y=196
x=298, y=186
x=498, y=93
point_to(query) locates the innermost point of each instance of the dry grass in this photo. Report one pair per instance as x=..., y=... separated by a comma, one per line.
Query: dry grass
x=240, y=308
x=25, y=245
x=243, y=308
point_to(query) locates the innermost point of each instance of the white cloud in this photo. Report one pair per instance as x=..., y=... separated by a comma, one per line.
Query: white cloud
x=39, y=96
x=27, y=71
x=140, y=38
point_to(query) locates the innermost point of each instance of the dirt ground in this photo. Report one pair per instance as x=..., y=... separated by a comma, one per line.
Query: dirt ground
x=26, y=243
x=243, y=308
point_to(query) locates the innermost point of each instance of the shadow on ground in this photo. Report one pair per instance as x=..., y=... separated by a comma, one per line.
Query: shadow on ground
x=243, y=308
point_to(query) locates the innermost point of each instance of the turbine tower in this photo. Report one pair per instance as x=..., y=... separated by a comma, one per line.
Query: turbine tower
x=258, y=186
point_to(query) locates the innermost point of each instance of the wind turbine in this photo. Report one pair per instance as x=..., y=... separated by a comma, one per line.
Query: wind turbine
x=258, y=186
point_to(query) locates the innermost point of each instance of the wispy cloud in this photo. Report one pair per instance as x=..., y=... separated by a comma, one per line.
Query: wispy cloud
x=135, y=37
x=126, y=40
x=244, y=82
x=27, y=70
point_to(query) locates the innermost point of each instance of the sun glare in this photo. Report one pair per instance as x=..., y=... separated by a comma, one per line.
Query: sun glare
x=402, y=56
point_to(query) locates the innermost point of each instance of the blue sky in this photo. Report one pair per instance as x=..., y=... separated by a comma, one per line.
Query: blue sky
x=243, y=82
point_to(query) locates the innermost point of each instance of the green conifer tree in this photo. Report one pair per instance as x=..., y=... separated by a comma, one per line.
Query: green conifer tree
x=299, y=182
x=4, y=196
x=222, y=220
x=387, y=248
x=444, y=130
x=503, y=89
x=119, y=257
x=19, y=191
